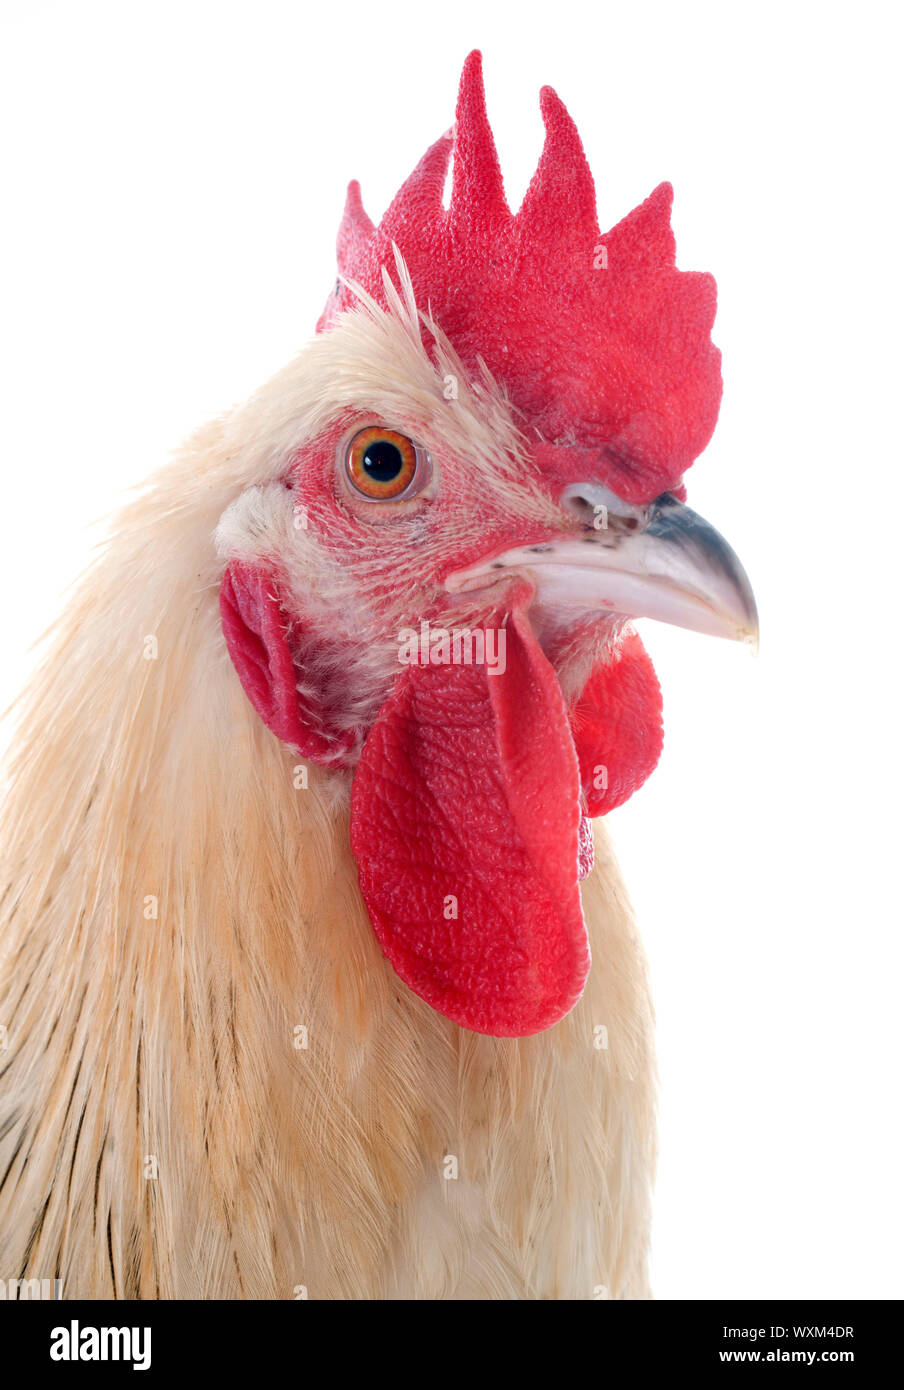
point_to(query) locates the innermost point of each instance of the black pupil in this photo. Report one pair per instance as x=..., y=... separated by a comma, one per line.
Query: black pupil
x=382, y=461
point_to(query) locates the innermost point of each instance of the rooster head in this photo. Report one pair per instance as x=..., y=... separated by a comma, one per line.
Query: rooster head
x=458, y=497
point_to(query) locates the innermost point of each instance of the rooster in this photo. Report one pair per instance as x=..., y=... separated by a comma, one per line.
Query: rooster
x=318, y=975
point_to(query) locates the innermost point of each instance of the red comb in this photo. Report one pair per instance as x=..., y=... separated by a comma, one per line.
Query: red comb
x=597, y=339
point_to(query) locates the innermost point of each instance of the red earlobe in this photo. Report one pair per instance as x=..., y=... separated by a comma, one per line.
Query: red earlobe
x=259, y=638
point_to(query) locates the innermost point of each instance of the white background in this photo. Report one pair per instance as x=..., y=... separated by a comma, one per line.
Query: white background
x=172, y=179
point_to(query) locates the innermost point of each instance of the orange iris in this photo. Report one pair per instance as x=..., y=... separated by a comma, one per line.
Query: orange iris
x=380, y=463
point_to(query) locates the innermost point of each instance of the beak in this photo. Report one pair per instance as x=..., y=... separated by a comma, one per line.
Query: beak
x=662, y=561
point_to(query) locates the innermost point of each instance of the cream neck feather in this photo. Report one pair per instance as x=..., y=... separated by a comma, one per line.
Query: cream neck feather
x=176, y=909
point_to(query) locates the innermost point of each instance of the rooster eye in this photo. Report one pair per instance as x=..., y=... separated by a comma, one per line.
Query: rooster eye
x=384, y=465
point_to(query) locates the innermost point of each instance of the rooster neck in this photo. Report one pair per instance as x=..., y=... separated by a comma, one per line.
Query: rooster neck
x=214, y=1084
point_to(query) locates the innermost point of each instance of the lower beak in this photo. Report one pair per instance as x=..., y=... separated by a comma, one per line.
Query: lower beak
x=673, y=566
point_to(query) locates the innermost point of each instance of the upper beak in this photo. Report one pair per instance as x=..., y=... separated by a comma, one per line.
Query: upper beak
x=662, y=561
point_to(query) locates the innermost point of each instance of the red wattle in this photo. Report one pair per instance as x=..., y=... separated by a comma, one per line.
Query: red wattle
x=466, y=806
x=616, y=724
x=465, y=824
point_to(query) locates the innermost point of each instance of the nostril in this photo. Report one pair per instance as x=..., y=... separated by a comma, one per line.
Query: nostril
x=578, y=504
x=586, y=500
x=598, y=506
